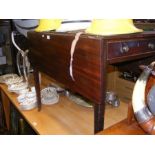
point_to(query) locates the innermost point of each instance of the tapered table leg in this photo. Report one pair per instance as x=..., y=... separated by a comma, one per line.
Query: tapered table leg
x=98, y=117
x=37, y=86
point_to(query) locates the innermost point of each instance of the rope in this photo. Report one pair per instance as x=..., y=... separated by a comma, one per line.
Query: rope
x=73, y=45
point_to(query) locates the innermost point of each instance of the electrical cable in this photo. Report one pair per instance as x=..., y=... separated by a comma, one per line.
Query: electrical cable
x=25, y=61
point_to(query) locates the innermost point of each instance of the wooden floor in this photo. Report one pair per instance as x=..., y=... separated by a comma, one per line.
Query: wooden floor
x=115, y=119
x=76, y=119
x=114, y=115
x=67, y=117
x=123, y=128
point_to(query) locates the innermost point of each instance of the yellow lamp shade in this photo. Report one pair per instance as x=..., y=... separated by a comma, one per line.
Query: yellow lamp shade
x=112, y=27
x=48, y=25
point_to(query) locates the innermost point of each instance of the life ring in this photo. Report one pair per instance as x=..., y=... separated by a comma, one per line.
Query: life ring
x=144, y=116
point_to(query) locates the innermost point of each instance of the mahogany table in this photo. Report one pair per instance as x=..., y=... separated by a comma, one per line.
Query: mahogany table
x=50, y=53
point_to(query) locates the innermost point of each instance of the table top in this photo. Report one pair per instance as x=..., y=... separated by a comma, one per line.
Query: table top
x=85, y=72
x=72, y=33
x=65, y=117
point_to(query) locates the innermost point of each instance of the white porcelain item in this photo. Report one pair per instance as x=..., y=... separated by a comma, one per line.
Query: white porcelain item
x=21, y=98
x=49, y=96
x=30, y=94
x=28, y=105
x=26, y=98
x=33, y=89
x=23, y=91
x=14, y=80
x=18, y=86
x=4, y=78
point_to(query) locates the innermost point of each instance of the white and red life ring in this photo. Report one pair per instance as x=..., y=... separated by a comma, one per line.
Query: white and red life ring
x=144, y=116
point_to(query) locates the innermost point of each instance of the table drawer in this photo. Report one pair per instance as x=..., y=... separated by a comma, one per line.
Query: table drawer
x=128, y=48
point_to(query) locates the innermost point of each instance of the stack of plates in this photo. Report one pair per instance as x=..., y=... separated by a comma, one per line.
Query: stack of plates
x=28, y=105
x=26, y=98
x=13, y=80
x=15, y=83
x=17, y=87
x=27, y=101
x=6, y=77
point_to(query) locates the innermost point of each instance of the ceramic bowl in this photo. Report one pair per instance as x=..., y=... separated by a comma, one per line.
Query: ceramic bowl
x=28, y=105
x=21, y=98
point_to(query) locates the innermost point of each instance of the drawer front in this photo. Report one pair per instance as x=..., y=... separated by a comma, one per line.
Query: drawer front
x=127, y=48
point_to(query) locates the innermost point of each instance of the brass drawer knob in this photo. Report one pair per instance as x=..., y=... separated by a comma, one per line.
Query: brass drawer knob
x=124, y=48
x=151, y=46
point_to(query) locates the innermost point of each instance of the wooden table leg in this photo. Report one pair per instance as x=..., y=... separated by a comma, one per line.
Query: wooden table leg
x=37, y=86
x=98, y=117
